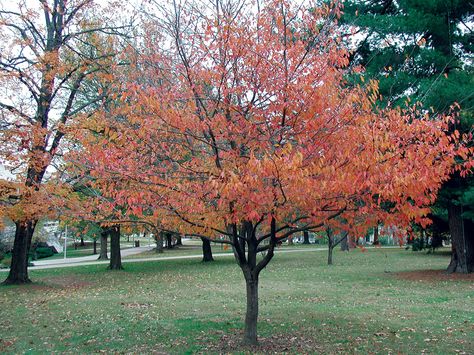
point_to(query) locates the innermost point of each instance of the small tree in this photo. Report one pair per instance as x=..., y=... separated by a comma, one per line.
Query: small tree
x=252, y=133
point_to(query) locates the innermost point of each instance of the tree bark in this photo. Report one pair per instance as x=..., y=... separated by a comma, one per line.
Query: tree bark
x=206, y=250
x=82, y=242
x=169, y=241
x=159, y=243
x=115, y=256
x=251, y=316
x=376, y=235
x=462, y=241
x=178, y=240
x=305, y=237
x=330, y=245
x=19, y=266
x=94, y=252
x=103, y=245
x=345, y=244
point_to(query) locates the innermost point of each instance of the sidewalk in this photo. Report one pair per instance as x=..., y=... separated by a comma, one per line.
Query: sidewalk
x=92, y=259
x=88, y=258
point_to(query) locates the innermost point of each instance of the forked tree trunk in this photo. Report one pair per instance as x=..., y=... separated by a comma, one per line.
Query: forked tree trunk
x=462, y=241
x=103, y=245
x=305, y=237
x=246, y=248
x=19, y=266
x=115, y=256
x=206, y=250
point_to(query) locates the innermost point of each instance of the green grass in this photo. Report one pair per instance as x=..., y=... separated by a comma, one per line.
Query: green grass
x=194, y=247
x=70, y=253
x=359, y=305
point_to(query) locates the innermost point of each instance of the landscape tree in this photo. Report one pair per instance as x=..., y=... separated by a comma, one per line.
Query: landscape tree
x=48, y=51
x=334, y=241
x=421, y=50
x=206, y=250
x=253, y=135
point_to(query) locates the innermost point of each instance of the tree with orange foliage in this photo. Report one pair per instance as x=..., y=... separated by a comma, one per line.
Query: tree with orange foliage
x=250, y=134
x=48, y=51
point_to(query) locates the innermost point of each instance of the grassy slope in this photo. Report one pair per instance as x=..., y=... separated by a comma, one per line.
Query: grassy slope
x=358, y=305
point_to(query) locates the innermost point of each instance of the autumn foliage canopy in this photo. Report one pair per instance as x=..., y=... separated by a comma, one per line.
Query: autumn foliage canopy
x=249, y=115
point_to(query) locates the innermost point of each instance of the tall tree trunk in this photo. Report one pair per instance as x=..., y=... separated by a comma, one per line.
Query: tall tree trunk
x=19, y=266
x=82, y=242
x=94, y=252
x=376, y=234
x=206, y=250
x=103, y=245
x=462, y=241
x=251, y=315
x=115, y=257
x=178, y=240
x=305, y=237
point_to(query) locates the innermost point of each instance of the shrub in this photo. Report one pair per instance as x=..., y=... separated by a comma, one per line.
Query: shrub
x=7, y=260
x=43, y=252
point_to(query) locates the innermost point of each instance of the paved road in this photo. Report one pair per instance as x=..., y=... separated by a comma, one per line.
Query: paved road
x=81, y=259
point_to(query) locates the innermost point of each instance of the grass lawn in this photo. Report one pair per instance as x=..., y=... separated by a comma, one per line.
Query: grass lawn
x=371, y=302
x=194, y=247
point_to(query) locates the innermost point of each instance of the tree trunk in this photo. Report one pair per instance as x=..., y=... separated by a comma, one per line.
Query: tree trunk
x=251, y=316
x=206, y=250
x=305, y=237
x=115, y=257
x=331, y=244
x=178, y=240
x=462, y=241
x=82, y=242
x=103, y=245
x=19, y=266
x=345, y=244
x=94, y=252
x=376, y=235
x=169, y=241
x=330, y=249
x=159, y=242
x=290, y=240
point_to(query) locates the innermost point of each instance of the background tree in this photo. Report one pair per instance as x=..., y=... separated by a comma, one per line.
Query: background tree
x=333, y=241
x=206, y=250
x=43, y=66
x=421, y=50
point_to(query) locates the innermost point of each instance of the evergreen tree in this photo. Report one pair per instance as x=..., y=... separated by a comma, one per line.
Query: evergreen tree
x=422, y=50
